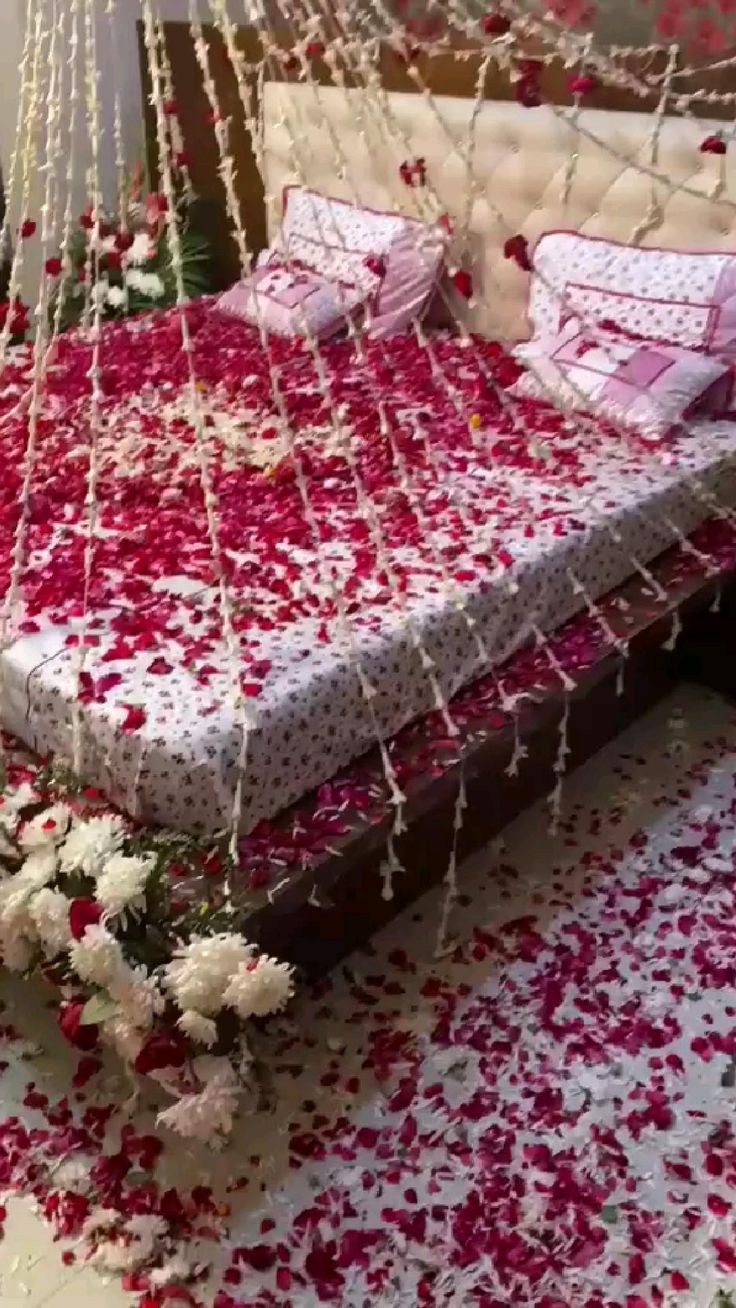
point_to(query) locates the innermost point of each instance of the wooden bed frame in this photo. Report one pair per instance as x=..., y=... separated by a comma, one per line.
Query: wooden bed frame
x=319, y=915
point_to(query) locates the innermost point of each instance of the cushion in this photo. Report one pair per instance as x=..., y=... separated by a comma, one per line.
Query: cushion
x=681, y=298
x=646, y=387
x=294, y=301
x=412, y=272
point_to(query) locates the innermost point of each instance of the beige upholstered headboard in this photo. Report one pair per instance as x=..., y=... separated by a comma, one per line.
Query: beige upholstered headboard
x=337, y=142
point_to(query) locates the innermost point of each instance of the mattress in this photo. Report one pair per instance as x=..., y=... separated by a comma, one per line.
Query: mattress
x=449, y=535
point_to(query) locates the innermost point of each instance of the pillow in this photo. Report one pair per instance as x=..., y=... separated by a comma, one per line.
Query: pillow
x=294, y=301
x=356, y=244
x=681, y=298
x=410, y=278
x=646, y=387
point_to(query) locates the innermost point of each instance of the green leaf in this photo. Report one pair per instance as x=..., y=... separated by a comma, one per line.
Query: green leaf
x=609, y=1214
x=98, y=1009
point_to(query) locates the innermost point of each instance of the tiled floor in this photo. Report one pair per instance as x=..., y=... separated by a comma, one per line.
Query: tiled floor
x=32, y=1274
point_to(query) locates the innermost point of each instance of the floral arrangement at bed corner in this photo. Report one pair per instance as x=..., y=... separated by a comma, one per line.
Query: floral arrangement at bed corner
x=131, y=272
x=132, y=927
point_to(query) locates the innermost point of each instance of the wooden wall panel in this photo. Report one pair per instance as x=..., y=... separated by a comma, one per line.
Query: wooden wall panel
x=444, y=73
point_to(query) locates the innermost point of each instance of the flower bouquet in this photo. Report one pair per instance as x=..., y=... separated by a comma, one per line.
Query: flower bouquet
x=126, y=267
x=133, y=928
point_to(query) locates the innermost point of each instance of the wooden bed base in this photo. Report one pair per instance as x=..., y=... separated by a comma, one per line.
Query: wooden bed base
x=320, y=915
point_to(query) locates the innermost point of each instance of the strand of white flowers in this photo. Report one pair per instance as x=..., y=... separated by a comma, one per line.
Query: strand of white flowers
x=226, y=169
x=342, y=435
x=173, y=123
x=392, y=864
x=442, y=945
x=649, y=578
x=92, y=101
x=554, y=662
x=111, y=13
x=568, y=46
x=120, y=159
x=344, y=624
x=29, y=107
x=75, y=101
x=654, y=216
x=574, y=155
x=51, y=104
x=510, y=403
x=14, y=175
x=560, y=767
x=231, y=641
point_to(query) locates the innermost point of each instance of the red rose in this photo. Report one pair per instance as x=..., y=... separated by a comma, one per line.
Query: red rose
x=162, y=1049
x=83, y=913
x=86, y=220
x=27, y=228
x=182, y=159
x=81, y=1035
x=315, y=49
x=517, y=248
x=375, y=264
x=123, y=241
x=113, y=259
x=495, y=25
x=713, y=145
x=53, y=267
x=171, y=108
x=583, y=84
x=463, y=283
x=528, y=93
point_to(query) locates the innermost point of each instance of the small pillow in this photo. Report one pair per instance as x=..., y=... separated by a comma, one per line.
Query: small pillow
x=412, y=272
x=675, y=296
x=293, y=302
x=650, y=389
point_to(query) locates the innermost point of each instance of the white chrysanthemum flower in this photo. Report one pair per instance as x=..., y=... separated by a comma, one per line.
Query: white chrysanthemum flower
x=146, y=283
x=141, y=250
x=261, y=987
x=49, y=912
x=116, y=1257
x=115, y=296
x=201, y=1029
x=97, y=958
x=11, y=803
x=176, y=1268
x=138, y=995
x=122, y=883
x=199, y=973
x=146, y=1227
x=91, y=843
x=46, y=829
x=125, y=1039
x=38, y=869
x=212, y=1110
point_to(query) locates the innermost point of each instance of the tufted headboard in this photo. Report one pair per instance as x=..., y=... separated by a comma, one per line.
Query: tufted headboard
x=337, y=142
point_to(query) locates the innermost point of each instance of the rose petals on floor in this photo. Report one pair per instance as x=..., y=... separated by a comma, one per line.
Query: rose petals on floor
x=542, y=1116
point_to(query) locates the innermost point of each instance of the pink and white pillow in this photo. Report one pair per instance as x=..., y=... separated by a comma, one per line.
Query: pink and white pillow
x=293, y=302
x=333, y=261
x=671, y=296
x=646, y=387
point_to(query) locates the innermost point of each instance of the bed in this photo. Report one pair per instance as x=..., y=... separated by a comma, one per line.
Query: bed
x=341, y=647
